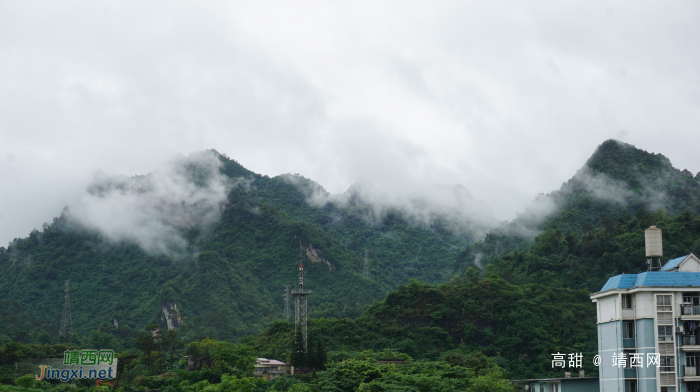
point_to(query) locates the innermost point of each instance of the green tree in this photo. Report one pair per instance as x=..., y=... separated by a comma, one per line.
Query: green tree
x=235, y=359
x=245, y=384
x=99, y=340
x=491, y=382
x=27, y=381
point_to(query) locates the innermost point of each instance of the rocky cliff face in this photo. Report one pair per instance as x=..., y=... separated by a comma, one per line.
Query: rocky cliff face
x=171, y=315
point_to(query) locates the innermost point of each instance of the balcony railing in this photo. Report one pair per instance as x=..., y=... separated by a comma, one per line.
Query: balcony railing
x=690, y=310
x=690, y=371
x=689, y=340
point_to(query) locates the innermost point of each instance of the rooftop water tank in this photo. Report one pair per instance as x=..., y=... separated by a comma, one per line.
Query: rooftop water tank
x=652, y=242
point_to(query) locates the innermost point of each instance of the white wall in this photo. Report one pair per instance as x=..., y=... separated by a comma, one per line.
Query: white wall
x=609, y=308
x=690, y=264
x=644, y=305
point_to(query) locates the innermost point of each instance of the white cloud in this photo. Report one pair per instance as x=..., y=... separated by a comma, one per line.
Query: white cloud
x=508, y=99
x=155, y=210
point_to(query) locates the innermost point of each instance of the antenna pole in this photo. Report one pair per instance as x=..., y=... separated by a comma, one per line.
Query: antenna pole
x=66, y=329
x=301, y=309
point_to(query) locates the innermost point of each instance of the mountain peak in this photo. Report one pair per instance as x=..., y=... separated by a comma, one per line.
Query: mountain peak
x=618, y=160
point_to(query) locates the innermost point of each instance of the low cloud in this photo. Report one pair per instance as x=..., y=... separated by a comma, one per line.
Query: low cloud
x=602, y=186
x=451, y=206
x=153, y=211
x=599, y=185
x=526, y=223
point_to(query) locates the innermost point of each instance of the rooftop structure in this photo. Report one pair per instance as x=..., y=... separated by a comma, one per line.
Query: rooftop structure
x=269, y=369
x=559, y=384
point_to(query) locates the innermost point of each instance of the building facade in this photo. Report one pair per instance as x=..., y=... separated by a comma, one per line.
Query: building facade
x=269, y=369
x=565, y=384
x=648, y=335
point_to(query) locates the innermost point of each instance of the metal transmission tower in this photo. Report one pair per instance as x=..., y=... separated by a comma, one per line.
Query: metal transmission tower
x=365, y=272
x=301, y=309
x=286, y=302
x=66, y=329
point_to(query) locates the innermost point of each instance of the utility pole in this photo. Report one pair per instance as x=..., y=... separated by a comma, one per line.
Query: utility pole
x=365, y=272
x=301, y=309
x=286, y=302
x=66, y=329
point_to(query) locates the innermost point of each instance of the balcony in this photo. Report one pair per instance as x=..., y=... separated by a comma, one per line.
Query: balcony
x=690, y=373
x=690, y=312
x=690, y=343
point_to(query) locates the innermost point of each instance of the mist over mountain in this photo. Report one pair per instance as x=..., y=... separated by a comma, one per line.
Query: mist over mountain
x=451, y=205
x=154, y=211
x=209, y=237
x=617, y=180
x=217, y=242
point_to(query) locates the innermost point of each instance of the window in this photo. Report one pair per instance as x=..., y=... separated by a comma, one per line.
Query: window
x=628, y=329
x=663, y=303
x=664, y=310
x=691, y=299
x=626, y=301
x=629, y=355
x=668, y=389
x=665, y=333
x=541, y=388
x=630, y=386
x=666, y=349
x=691, y=359
x=666, y=364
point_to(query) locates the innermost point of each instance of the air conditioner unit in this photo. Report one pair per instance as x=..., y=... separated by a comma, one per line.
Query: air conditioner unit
x=679, y=329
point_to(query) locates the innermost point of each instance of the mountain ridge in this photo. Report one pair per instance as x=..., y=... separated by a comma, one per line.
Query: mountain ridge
x=227, y=280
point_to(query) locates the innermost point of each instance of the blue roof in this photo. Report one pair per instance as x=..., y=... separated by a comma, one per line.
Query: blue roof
x=653, y=279
x=671, y=264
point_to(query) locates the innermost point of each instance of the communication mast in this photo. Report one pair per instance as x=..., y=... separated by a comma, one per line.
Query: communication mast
x=286, y=302
x=301, y=309
x=66, y=329
x=365, y=272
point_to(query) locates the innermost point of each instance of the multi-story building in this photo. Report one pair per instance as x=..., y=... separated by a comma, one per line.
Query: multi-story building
x=648, y=326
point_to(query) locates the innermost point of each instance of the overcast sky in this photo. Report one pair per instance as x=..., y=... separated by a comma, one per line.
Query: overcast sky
x=506, y=98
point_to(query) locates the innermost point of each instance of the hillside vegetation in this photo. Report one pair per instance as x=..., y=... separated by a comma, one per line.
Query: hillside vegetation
x=617, y=181
x=454, y=302
x=228, y=280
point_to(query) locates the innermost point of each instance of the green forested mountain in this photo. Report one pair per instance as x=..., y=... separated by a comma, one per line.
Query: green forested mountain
x=616, y=181
x=587, y=261
x=461, y=330
x=229, y=279
x=398, y=248
x=519, y=326
x=230, y=283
